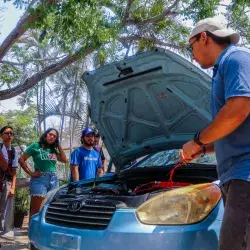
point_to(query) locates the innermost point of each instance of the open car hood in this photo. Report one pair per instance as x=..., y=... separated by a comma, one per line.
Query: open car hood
x=155, y=100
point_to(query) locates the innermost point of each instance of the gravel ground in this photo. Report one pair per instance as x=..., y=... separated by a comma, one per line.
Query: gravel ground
x=20, y=241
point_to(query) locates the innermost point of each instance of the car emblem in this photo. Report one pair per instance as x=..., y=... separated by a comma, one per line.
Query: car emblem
x=74, y=206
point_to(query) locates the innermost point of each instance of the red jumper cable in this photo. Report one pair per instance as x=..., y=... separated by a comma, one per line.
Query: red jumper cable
x=159, y=184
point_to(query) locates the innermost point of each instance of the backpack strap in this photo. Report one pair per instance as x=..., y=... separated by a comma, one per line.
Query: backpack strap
x=13, y=153
x=8, y=173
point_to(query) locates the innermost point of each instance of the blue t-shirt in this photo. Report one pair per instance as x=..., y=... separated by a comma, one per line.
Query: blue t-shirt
x=232, y=78
x=88, y=161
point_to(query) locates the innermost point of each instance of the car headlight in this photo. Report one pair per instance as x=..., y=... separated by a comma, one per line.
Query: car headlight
x=180, y=206
x=49, y=197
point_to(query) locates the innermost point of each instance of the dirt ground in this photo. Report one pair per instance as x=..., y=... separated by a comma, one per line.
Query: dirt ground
x=20, y=240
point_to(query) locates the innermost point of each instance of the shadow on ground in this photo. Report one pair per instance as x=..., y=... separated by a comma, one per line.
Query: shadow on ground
x=19, y=242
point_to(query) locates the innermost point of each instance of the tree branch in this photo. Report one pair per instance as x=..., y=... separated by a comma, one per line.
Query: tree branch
x=30, y=61
x=151, y=39
x=127, y=10
x=48, y=71
x=18, y=31
x=31, y=4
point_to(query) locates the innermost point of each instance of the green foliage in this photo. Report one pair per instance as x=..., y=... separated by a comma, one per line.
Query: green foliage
x=240, y=18
x=69, y=22
x=145, y=45
x=200, y=9
x=23, y=123
x=64, y=27
x=27, y=98
x=157, y=7
x=74, y=24
x=101, y=57
x=24, y=3
x=8, y=75
x=22, y=200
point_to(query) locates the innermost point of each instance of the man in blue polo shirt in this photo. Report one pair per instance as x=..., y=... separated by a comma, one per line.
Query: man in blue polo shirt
x=229, y=133
x=85, y=162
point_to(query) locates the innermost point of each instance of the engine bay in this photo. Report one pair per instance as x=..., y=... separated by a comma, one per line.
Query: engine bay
x=132, y=188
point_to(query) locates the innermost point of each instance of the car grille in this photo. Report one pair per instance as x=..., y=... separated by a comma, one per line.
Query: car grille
x=93, y=215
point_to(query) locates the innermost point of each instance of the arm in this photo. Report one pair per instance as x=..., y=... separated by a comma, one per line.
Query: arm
x=99, y=169
x=104, y=161
x=236, y=76
x=230, y=117
x=74, y=164
x=75, y=172
x=100, y=172
x=14, y=173
x=24, y=166
x=104, y=164
x=62, y=156
x=13, y=184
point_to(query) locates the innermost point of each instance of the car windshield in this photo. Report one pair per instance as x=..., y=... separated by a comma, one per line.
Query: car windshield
x=169, y=157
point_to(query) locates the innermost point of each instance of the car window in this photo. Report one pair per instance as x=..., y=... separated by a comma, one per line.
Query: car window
x=168, y=157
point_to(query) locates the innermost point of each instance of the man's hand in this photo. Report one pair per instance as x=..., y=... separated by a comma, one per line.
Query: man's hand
x=36, y=174
x=12, y=192
x=190, y=151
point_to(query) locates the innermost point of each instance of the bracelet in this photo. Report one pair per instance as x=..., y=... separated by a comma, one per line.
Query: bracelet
x=197, y=139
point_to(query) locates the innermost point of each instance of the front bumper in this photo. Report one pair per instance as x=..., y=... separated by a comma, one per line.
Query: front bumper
x=125, y=232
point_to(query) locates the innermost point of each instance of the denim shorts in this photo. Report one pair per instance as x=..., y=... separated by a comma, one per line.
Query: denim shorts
x=40, y=186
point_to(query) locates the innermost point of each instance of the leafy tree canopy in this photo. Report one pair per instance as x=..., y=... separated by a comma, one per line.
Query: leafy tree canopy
x=23, y=123
x=107, y=29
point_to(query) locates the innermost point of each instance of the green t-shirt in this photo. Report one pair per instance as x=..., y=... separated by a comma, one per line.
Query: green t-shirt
x=43, y=159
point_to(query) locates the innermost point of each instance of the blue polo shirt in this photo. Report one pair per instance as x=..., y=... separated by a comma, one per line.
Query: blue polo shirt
x=231, y=78
x=88, y=162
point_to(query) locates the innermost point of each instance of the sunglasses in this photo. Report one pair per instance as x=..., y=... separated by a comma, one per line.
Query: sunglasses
x=52, y=135
x=8, y=133
x=190, y=47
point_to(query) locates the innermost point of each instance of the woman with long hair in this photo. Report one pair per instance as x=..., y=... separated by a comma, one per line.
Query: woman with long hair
x=45, y=154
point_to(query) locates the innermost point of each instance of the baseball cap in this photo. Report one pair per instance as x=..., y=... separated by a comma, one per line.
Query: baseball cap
x=215, y=27
x=88, y=131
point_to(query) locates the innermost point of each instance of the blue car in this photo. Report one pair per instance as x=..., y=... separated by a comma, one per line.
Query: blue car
x=145, y=107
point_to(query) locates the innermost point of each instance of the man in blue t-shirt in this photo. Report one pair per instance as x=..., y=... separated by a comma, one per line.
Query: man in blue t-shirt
x=228, y=135
x=85, y=162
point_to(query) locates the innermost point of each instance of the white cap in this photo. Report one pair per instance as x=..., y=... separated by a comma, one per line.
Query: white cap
x=215, y=27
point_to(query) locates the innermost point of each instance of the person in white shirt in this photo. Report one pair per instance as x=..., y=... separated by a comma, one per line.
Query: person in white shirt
x=8, y=176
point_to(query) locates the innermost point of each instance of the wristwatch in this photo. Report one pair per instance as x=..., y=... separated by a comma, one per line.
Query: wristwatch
x=197, y=139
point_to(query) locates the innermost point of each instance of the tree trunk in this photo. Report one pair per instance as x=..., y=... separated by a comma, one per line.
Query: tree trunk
x=38, y=111
x=47, y=71
x=71, y=133
x=21, y=27
x=63, y=115
x=44, y=104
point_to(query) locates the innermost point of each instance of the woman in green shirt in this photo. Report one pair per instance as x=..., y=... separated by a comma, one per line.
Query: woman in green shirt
x=45, y=153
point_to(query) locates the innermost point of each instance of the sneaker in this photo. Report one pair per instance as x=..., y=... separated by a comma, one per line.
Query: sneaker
x=9, y=235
